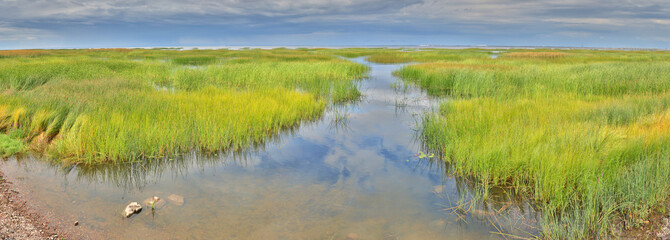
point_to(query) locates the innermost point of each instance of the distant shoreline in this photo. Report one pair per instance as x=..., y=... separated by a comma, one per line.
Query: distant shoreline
x=486, y=47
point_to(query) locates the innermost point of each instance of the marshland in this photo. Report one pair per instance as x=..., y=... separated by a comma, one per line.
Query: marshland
x=354, y=143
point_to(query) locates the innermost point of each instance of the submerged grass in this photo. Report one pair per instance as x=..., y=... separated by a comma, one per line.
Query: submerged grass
x=585, y=134
x=93, y=106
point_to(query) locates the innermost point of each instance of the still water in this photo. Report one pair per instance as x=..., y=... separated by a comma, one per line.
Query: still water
x=354, y=174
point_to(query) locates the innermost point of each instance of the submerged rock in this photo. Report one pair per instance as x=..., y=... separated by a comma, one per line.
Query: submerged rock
x=481, y=213
x=176, y=199
x=154, y=202
x=131, y=209
x=438, y=189
x=149, y=201
x=439, y=223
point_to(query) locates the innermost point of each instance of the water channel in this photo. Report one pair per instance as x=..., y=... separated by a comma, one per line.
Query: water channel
x=357, y=173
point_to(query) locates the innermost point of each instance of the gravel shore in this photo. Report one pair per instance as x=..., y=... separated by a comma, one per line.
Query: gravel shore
x=16, y=219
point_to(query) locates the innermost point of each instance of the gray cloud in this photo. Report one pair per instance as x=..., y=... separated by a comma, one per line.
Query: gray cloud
x=569, y=19
x=489, y=11
x=12, y=33
x=156, y=10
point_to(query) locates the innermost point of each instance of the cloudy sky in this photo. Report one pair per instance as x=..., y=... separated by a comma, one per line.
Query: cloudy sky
x=147, y=23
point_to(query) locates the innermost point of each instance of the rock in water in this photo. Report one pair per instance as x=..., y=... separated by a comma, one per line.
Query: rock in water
x=176, y=199
x=131, y=209
x=481, y=213
x=154, y=202
x=438, y=189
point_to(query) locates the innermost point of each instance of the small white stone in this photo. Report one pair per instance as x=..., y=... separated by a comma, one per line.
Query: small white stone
x=131, y=209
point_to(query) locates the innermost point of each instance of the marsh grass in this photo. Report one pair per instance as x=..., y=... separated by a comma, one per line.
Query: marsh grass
x=389, y=58
x=10, y=146
x=540, y=55
x=23, y=53
x=194, y=60
x=584, y=134
x=94, y=106
x=11, y=143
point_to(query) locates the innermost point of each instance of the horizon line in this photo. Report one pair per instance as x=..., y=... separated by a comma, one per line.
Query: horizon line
x=421, y=46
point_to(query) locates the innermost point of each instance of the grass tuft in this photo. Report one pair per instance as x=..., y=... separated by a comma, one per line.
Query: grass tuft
x=11, y=143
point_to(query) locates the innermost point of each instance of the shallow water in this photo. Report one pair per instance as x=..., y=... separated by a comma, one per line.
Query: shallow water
x=354, y=173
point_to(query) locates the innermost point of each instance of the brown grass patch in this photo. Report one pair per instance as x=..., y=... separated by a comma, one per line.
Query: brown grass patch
x=110, y=50
x=23, y=53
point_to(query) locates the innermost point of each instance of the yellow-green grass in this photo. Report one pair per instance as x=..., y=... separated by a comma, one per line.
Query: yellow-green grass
x=585, y=134
x=194, y=60
x=516, y=79
x=11, y=143
x=389, y=58
x=93, y=106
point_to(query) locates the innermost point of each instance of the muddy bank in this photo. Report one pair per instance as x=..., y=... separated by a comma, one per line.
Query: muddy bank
x=18, y=220
x=657, y=226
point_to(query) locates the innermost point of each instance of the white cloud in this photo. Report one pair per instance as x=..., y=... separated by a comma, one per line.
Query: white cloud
x=590, y=21
x=10, y=33
x=661, y=21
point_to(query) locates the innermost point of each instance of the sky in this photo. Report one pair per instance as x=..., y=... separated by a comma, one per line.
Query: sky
x=173, y=23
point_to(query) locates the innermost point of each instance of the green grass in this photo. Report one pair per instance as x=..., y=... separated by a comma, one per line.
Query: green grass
x=194, y=60
x=94, y=106
x=11, y=144
x=388, y=58
x=584, y=134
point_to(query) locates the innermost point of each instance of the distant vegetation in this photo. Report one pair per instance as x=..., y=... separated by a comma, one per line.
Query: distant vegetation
x=388, y=58
x=109, y=105
x=586, y=134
